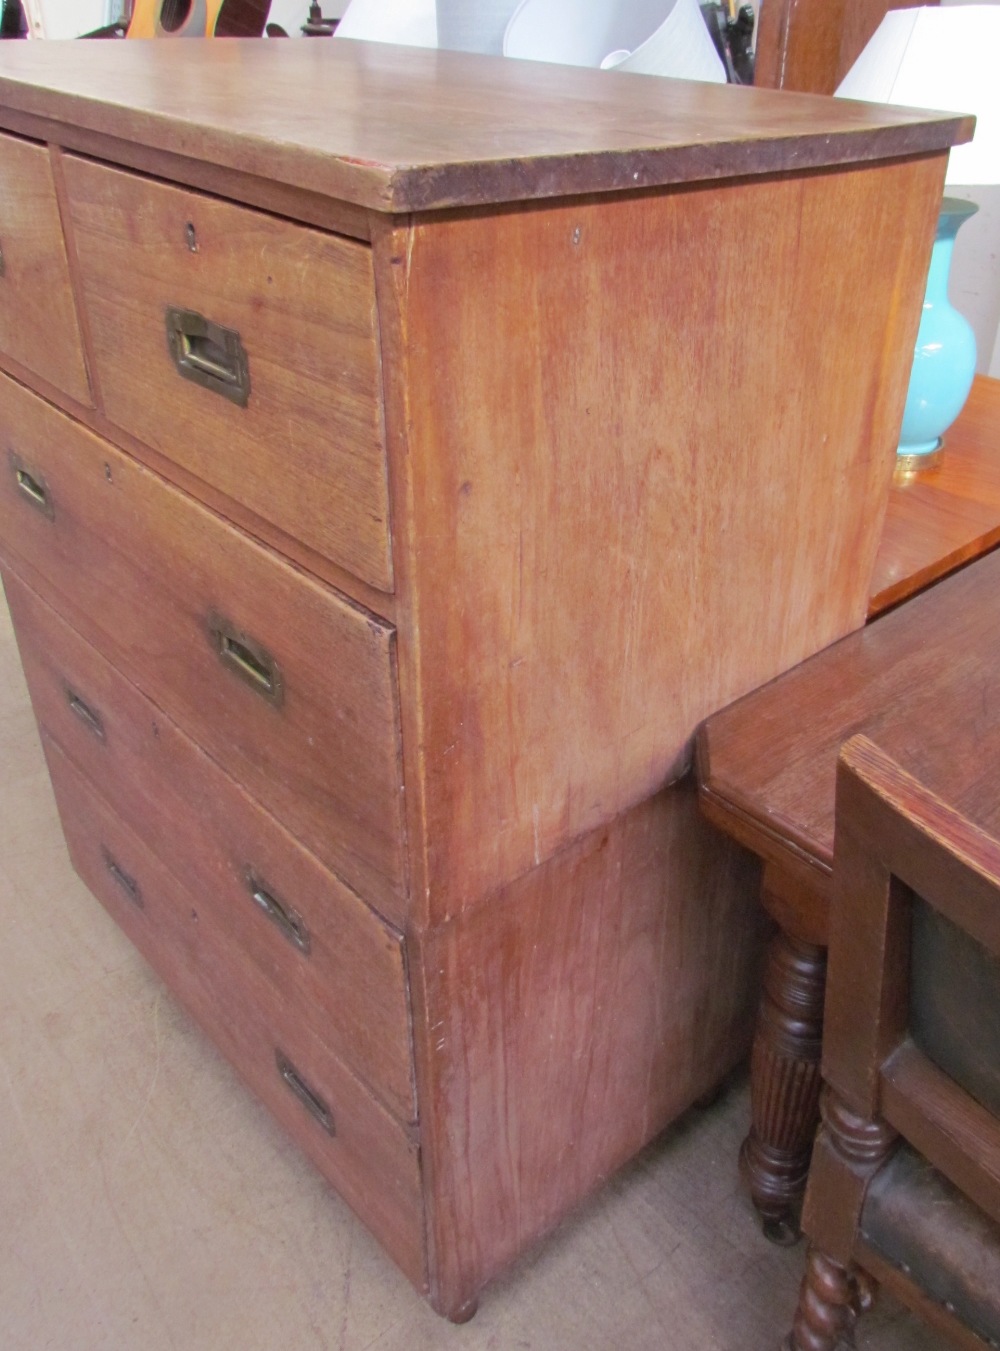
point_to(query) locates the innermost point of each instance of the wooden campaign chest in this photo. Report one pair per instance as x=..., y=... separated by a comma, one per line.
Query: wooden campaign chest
x=402, y=452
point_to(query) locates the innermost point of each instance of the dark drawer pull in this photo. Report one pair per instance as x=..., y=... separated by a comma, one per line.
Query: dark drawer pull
x=309, y=1099
x=32, y=488
x=208, y=354
x=91, y=720
x=283, y=916
x=122, y=880
x=247, y=659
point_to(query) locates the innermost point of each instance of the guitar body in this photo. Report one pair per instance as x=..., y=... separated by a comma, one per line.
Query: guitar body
x=198, y=18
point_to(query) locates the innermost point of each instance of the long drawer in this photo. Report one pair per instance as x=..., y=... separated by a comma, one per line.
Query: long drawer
x=370, y=1158
x=340, y=968
x=291, y=689
x=38, y=321
x=242, y=347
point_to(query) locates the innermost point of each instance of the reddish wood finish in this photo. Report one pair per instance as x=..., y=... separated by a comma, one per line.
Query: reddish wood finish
x=350, y=988
x=810, y=45
x=767, y=773
x=624, y=485
x=897, y=840
x=785, y=1083
x=949, y=515
x=372, y=1159
x=568, y=1019
x=311, y=457
x=442, y=129
x=142, y=569
x=767, y=763
x=625, y=524
x=38, y=320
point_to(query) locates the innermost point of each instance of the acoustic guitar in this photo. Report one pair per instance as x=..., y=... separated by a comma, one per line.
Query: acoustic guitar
x=198, y=18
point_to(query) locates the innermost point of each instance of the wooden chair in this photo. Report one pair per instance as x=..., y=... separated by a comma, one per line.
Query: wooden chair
x=904, y=1185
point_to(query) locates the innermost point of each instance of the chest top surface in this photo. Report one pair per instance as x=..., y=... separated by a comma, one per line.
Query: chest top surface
x=399, y=129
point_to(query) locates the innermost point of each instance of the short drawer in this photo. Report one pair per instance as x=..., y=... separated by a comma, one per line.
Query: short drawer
x=243, y=348
x=291, y=689
x=339, y=967
x=370, y=1158
x=38, y=321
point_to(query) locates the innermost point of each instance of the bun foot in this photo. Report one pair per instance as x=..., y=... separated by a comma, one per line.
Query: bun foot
x=464, y=1312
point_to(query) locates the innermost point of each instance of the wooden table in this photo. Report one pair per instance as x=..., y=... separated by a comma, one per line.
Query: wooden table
x=924, y=683
x=939, y=520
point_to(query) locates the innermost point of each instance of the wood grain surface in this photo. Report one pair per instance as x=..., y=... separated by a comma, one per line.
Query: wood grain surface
x=567, y=1020
x=949, y=1127
x=922, y=682
x=307, y=451
x=948, y=515
x=38, y=320
x=142, y=570
x=635, y=511
x=372, y=1159
x=644, y=348
x=810, y=45
x=401, y=129
x=350, y=986
x=904, y=843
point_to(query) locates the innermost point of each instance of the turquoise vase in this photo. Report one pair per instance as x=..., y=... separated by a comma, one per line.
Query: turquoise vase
x=944, y=361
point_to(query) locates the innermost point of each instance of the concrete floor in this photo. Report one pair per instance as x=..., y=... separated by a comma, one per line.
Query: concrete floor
x=149, y=1203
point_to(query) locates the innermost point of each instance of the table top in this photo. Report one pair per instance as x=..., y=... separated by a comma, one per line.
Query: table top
x=923, y=683
x=946, y=517
x=400, y=129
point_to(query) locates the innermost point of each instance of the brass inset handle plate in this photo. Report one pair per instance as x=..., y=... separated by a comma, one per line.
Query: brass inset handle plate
x=286, y=920
x=208, y=354
x=32, y=487
x=122, y=879
x=308, y=1097
x=246, y=658
x=90, y=719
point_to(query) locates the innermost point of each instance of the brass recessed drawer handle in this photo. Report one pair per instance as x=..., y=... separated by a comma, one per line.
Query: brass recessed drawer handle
x=246, y=658
x=32, y=487
x=122, y=880
x=290, y=924
x=308, y=1097
x=208, y=354
x=91, y=720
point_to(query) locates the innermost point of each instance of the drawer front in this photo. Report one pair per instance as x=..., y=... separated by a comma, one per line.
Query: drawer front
x=288, y=687
x=289, y=311
x=369, y=1157
x=38, y=322
x=339, y=967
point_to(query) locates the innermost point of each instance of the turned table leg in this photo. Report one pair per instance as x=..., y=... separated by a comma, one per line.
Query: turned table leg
x=785, y=1084
x=828, y=1305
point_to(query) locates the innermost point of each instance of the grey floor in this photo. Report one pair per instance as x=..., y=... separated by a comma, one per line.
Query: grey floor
x=148, y=1203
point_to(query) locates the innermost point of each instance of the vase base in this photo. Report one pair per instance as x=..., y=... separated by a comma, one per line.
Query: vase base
x=909, y=464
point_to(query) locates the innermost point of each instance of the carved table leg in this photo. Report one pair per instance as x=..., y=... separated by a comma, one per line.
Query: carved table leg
x=834, y=1294
x=827, y=1305
x=785, y=1084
